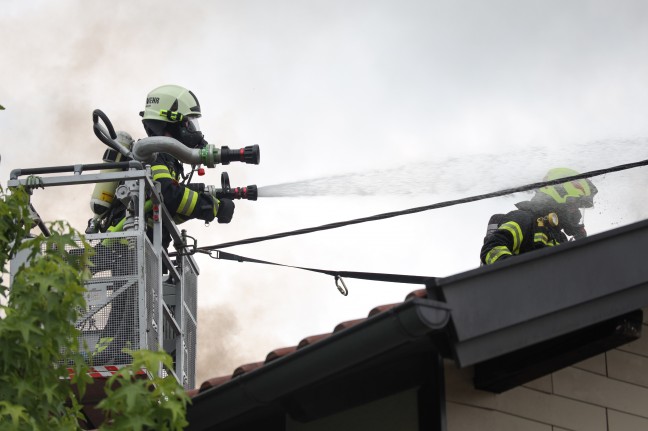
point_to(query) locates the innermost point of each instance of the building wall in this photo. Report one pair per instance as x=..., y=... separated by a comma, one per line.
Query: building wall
x=608, y=392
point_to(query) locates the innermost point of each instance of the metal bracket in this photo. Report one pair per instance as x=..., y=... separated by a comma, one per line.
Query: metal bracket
x=185, y=249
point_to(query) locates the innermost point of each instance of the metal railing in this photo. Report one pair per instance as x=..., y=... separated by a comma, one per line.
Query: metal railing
x=137, y=297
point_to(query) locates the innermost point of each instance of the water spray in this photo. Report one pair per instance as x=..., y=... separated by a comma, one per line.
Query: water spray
x=456, y=176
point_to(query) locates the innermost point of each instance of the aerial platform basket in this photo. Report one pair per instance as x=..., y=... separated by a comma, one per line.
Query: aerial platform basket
x=138, y=296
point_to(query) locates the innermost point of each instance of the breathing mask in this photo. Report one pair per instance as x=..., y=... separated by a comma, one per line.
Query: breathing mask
x=189, y=133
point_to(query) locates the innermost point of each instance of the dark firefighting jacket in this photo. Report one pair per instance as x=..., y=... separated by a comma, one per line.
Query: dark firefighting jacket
x=520, y=231
x=181, y=201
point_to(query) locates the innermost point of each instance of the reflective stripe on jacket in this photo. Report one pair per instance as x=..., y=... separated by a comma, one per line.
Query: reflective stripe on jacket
x=519, y=232
x=182, y=202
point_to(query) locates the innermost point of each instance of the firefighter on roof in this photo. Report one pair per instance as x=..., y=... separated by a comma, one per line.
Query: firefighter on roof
x=553, y=214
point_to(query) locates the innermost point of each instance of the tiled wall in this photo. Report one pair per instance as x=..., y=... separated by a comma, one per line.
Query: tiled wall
x=608, y=392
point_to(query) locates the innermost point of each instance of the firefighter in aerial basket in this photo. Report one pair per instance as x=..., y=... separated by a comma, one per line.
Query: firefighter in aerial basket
x=171, y=111
x=552, y=216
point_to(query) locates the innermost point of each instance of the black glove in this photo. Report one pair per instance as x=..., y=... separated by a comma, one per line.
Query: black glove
x=577, y=231
x=225, y=211
x=504, y=257
x=196, y=187
x=33, y=182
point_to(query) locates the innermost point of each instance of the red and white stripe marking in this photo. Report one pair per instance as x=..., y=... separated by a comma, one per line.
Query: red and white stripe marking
x=104, y=372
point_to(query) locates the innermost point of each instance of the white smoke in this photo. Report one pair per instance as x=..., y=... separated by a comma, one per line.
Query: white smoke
x=410, y=103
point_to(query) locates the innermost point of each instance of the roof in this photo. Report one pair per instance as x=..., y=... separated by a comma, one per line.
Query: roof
x=284, y=351
x=529, y=322
x=357, y=350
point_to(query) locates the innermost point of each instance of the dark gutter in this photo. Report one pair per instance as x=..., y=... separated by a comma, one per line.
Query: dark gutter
x=517, y=368
x=545, y=294
x=405, y=323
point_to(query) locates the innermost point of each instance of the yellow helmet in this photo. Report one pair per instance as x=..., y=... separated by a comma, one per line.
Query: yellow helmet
x=580, y=193
x=171, y=103
x=173, y=110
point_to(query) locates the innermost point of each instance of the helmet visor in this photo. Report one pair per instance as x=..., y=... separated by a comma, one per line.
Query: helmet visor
x=192, y=125
x=587, y=201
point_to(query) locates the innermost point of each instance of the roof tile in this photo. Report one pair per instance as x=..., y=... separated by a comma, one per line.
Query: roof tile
x=278, y=353
x=421, y=293
x=347, y=324
x=213, y=382
x=246, y=368
x=381, y=308
x=312, y=340
x=307, y=341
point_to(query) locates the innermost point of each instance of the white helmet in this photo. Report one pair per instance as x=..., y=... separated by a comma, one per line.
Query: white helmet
x=171, y=103
x=175, y=110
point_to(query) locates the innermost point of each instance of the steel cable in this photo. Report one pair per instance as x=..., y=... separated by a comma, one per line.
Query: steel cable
x=438, y=205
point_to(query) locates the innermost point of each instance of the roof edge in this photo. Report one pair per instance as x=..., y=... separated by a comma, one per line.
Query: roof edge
x=407, y=322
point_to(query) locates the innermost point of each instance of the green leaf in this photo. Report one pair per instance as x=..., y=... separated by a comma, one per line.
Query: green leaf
x=102, y=345
x=37, y=335
x=16, y=413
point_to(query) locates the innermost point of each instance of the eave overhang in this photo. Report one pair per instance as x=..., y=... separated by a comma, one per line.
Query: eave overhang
x=545, y=294
x=265, y=387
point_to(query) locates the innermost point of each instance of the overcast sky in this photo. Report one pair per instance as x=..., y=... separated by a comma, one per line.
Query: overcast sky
x=368, y=106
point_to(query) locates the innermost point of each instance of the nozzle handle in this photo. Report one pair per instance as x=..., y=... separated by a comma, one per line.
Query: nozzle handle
x=98, y=113
x=107, y=136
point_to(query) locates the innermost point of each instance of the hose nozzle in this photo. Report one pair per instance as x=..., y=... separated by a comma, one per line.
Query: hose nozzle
x=249, y=193
x=211, y=156
x=249, y=155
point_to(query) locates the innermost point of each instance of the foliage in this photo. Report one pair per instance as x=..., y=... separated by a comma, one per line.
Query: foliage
x=138, y=403
x=38, y=323
x=37, y=332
